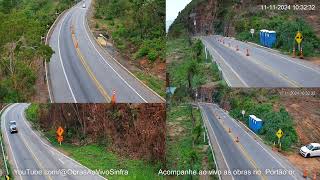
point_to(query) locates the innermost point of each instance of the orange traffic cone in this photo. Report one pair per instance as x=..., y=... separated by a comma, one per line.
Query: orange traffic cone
x=294, y=52
x=237, y=139
x=247, y=52
x=301, y=53
x=305, y=173
x=113, y=98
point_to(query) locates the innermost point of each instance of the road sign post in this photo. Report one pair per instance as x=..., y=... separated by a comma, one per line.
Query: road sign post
x=299, y=39
x=252, y=32
x=60, y=132
x=279, y=134
x=243, y=112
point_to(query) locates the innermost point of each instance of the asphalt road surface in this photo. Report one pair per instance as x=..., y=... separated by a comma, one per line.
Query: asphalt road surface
x=30, y=155
x=262, y=68
x=81, y=71
x=247, y=155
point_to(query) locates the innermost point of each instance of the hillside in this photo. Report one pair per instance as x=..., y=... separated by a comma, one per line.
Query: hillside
x=236, y=18
x=23, y=27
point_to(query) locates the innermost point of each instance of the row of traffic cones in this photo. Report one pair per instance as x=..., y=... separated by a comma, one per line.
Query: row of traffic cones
x=294, y=53
x=237, y=47
x=305, y=174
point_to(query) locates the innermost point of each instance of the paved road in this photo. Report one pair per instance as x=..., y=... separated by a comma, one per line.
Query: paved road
x=29, y=153
x=88, y=73
x=262, y=68
x=247, y=154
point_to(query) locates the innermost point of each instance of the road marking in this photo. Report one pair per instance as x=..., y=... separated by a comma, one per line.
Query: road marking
x=55, y=150
x=61, y=161
x=89, y=71
x=34, y=156
x=224, y=159
x=64, y=72
x=274, y=52
x=6, y=132
x=110, y=65
x=232, y=120
x=245, y=153
x=209, y=141
x=238, y=76
x=270, y=69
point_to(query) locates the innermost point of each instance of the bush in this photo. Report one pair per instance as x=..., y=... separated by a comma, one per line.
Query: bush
x=152, y=55
x=32, y=112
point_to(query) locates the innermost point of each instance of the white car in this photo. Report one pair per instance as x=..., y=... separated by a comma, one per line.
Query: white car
x=310, y=150
x=13, y=127
x=84, y=6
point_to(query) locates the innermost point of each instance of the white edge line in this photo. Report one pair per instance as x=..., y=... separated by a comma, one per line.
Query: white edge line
x=274, y=52
x=218, y=145
x=208, y=137
x=6, y=132
x=112, y=67
x=238, y=76
x=48, y=36
x=64, y=72
x=4, y=159
x=24, y=120
x=255, y=141
x=163, y=99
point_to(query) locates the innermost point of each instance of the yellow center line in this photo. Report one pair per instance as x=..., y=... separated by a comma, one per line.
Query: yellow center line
x=34, y=157
x=271, y=70
x=245, y=153
x=89, y=71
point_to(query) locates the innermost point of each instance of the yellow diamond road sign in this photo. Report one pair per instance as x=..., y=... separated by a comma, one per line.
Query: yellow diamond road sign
x=279, y=133
x=299, y=37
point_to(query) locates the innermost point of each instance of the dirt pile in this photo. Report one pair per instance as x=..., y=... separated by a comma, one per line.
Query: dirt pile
x=137, y=131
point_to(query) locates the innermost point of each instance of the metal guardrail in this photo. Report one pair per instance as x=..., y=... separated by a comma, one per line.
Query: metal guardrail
x=2, y=146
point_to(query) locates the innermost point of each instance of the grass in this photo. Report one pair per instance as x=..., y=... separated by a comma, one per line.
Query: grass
x=153, y=82
x=97, y=157
x=179, y=141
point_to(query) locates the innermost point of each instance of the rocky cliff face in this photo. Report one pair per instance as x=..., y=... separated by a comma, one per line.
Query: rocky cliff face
x=133, y=130
x=203, y=17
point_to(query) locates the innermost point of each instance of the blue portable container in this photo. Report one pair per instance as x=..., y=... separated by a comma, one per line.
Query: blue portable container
x=272, y=38
x=255, y=124
x=263, y=37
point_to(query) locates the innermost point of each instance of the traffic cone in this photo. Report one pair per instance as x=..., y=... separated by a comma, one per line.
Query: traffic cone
x=301, y=53
x=76, y=44
x=305, y=173
x=113, y=98
x=237, y=139
x=294, y=52
x=247, y=52
x=237, y=49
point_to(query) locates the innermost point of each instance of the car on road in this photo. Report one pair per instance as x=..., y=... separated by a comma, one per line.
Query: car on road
x=310, y=150
x=13, y=127
x=84, y=6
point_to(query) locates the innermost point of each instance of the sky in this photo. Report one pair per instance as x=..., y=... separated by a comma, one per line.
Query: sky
x=173, y=7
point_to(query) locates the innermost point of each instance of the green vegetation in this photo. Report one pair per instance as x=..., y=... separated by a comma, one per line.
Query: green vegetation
x=286, y=25
x=260, y=102
x=22, y=50
x=137, y=27
x=185, y=146
x=32, y=112
x=97, y=157
x=153, y=82
x=188, y=67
